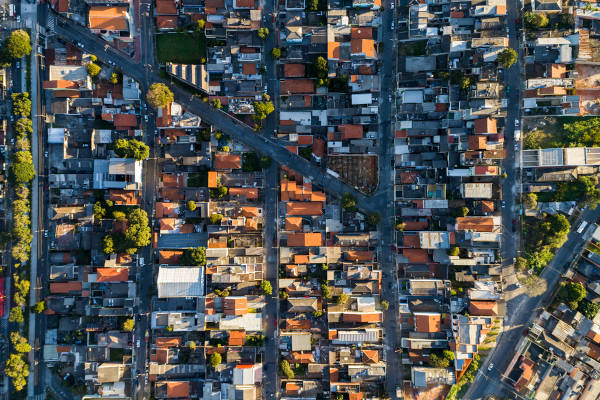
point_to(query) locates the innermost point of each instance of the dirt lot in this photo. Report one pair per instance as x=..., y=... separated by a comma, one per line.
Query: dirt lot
x=357, y=170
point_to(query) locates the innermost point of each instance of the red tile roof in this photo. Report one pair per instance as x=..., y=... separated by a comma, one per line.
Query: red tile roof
x=305, y=239
x=112, y=274
x=235, y=305
x=166, y=21
x=178, y=389
x=228, y=161
x=293, y=70
x=125, y=120
x=428, y=322
x=166, y=7
x=292, y=86
x=304, y=208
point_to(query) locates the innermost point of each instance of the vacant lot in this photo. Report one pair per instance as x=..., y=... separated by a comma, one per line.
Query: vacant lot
x=181, y=48
x=358, y=170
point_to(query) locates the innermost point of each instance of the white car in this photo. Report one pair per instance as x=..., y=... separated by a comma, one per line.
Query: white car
x=137, y=343
x=516, y=123
x=491, y=366
x=146, y=118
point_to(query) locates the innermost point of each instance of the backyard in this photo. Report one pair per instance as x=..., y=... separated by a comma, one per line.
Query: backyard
x=182, y=48
x=549, y=132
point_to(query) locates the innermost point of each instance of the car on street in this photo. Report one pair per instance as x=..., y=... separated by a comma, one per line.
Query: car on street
x=46, y=234
x=516, y=123
x=137, y=343
x=518, y=285
x=503, y=203
x=146, y=118
x=491, y=366
x=507, y=89
x=46, y=154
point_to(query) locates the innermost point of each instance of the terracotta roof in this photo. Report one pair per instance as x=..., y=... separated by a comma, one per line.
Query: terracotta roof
x=164, y=209
x=318, y=147
x=228, y=161
x=112, y=274
x=178, y=389
x=304, y=208
x=333, y=50
x=296, y=86
x=477, y=142
x=108, y=18
x=362, y=32
x=170, y=257
x=172, y=180
x=166, y=7
x=362, y=317
x=293, y=224
x=363, y=46
x=125, y=120
x=594, y=334
x=304, y=140
x=62, y=6
x=370, y=356
x=212, y=179
x=248, y=193
x=297, y=324
x=293, y=70
x=124, y=197
x=480, y=307
x=65, y=287
x=477, y=224
x=556, y=70
x=60, y=84
x=249, y=211
x=429, y=322
x=236, y=338
x=235, y=305
x=304, y=239
x=244, y=3
x=351, y=131
x=66, y=93
x=249, y=69
x=485, y=125
x=166, y=21
x=292, y=388
x=355, y=396
x=166, y=342
x=352, y=255
x=301, y=358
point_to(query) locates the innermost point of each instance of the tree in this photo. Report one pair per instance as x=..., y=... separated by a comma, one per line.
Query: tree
x=20, y=344
x=93, y=58
x=93, y=69
x=108, y=246
x=348, y=202
x=17, y=369
x=555, y=229
x=438, y=362
x=283, y=295
x=520, y=264
x=132, y=149
x=262, y=109
x=16, y=315
x=263, y=33
x=216, y=103
x=138, y=233
x=191, y=205
x=373, y=219
x=507, y=57
x=535, y=20
x=588, y=308
x=119, y=216
x=22, y=144
x=128, y=325
x=286, y=369
x=454, y=251
x=265, y=162
x=216, y=219
x=325, y=292
x=22, y=170
x=465, y=83
x=215, y=359
x=21, y=104
x=39, y=307
x=400, y=226
x=276, y=53
x=23, y=126
x=18, y=44
x=317, y=313
x=460, y=212
x=266, y=288
x=114, y=78
x=571, y=293
x=192, y=345
x=342, y=298
x=99, y=211
x=159, y=95
x=21, y=290
x=312, y=5
x=385, y=304
x=448, y=355
x=200, y=25
x=194, y=257
x=530, y=200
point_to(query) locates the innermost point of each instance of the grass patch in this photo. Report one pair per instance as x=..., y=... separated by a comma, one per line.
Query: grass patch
x=416, y=48
x=198, y=179
x=184, y=48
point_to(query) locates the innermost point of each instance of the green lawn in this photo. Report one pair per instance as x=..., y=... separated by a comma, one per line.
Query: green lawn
x=182, y=48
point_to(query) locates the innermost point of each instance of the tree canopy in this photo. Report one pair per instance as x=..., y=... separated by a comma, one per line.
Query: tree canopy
x=571, y=293
x=18, y=44
x=215, y=359
x=263, y=33
x=262, y=109
x=286, y=369
x=373, y=219
x=276, y=53
x=21, y=169
x=348, y=202
x=132, y=148
x=507, y=57
x=530, y=200
x=17, y=369
x=194, y=257
x=20, y=344
x=128, y=325
x=159, y=95
x=588, y=308
x=23, y=126
x=535, y=20
x=16, y=315
x=21, y=104
x=93, y=69
x=266, y=288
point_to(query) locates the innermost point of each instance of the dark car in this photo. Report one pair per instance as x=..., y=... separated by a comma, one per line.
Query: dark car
x=514, y=225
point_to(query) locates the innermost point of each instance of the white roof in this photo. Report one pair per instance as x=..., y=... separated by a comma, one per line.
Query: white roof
x=362, y=98
x=180, y=282
x=56, y=135
x=75, y=73
x=251, y=322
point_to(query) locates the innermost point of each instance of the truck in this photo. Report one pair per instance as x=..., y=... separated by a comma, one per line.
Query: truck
x=582, y=226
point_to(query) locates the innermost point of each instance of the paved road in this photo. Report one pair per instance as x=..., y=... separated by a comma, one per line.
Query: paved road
x=220, y=119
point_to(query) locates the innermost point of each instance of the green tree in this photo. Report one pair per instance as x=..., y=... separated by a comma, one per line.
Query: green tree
x=438, y=361
x=159, y=95
x=262, y=109
x=99, y=211
x=21, y=104
x=20, y=344
x=93, y=58
x=138, y=233
x=454, y=251
x=286, y=369
x=215, y=219
x=132, y=149
x=194, y=257
x=448, y=355
x=114, y=78
x=200, y=25
x=119, y=216
x=530, y=200
x=128, y=325
x=555, y=229
x=23, y=127
x=312, y=5
x=276, y=53
x=507, y=57
x=520, y=264
x=191, y=205
x=93, y=69
x=16, y=315
x=216, y=103
x=17, y=369
x=22, y=170
x=263, y=33
x=535, y=20
x=18, y=44
x=192, y=345
x=266, y=288
x=215, y=359
x=588, y=308
x=385, y=304
x=348, y=202
x=21, y=290
x=571, y=293
x=39, y=307
x=460, y=212
x=342, y=298
x=22, y=144
x=325, y=292
x=108, y=246
x=373, y=219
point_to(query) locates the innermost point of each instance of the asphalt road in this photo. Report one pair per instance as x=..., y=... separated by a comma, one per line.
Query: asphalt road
x=218, y=118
